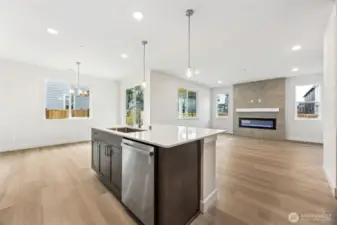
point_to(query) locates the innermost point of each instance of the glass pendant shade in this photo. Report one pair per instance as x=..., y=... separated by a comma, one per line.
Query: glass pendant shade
x=189, y=72
x=144, y=84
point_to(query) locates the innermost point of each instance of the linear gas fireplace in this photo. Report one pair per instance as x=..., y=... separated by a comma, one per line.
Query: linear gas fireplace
x=257, y=123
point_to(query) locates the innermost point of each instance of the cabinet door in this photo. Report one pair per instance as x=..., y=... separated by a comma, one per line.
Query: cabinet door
x=95, y=156
x=116, y=168
x=104, y=163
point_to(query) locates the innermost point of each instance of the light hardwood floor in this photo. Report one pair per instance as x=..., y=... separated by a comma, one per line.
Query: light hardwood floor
x=260, y=182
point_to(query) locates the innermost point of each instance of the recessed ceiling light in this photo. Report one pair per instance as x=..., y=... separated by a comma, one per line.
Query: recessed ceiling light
x=295, y=69
x=197, y=72
x=124, y=56
x=138, y=16
x=52, y=31
x=296, y=47
x=219, y=81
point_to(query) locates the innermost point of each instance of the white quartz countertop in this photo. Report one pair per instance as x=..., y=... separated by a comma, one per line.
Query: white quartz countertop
x=165, y=136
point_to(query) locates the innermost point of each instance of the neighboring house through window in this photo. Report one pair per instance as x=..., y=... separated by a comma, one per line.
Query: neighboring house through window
x=187, y=103
x=308, y=101
x=222, y=105
x=64, y=101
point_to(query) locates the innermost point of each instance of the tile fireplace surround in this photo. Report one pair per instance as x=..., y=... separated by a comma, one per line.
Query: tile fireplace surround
x=266, y=94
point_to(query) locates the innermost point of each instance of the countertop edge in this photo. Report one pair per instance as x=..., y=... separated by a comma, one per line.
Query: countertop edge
x=154, y=143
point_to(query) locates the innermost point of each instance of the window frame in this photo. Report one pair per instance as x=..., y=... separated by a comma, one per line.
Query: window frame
x=69, y=85
x=197, y=104
x=216, y=106
x=319, y=102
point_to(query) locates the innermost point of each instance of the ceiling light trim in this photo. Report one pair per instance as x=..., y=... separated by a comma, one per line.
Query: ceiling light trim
x=124, y=56
x=52, y=31
x=138, y=16
x=296, y=48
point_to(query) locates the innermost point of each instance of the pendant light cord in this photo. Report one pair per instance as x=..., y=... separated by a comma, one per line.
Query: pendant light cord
x=144, y=63
x=189, y=41
x=144, y=70
x=189, y=13
x=78, y=74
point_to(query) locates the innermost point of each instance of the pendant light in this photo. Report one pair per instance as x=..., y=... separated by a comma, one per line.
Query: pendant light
x=189, y=72
x=79, y=91
x=144, y=43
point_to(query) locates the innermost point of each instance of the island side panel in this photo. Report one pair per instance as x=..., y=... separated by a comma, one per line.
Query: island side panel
x=178, y=183
x=209, y=191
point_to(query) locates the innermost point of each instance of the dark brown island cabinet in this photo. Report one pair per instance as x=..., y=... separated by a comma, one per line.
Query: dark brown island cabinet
x=184, y=182
x=107, y=160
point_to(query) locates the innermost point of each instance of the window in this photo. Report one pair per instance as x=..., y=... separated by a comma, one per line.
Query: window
x=187, y=103
x=308, y=101
x=222, y=105
x=64, y=101
x=134, y=105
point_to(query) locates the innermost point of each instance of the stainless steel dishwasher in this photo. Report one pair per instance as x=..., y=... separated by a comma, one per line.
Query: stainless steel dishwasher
x=138, y=180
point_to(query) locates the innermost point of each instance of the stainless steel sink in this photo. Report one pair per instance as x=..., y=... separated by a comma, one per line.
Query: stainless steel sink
x=125, y=129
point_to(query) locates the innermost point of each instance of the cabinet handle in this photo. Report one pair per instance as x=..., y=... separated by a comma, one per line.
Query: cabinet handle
x=105, y=150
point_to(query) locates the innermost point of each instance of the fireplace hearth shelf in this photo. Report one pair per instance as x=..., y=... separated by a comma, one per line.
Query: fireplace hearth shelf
x=257, y=109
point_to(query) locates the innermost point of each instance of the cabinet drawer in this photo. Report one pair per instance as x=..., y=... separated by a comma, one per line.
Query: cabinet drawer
x=111, y=139
x=107, y=138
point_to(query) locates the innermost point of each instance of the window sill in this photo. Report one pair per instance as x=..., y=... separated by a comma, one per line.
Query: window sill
x=308, y=119
x=222, y=117
x=188, y=118
x=73, y=118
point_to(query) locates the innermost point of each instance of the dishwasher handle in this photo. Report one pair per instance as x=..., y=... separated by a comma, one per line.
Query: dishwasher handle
x=126, y=145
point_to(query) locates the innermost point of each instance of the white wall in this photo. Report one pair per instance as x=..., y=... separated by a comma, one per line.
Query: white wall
x=222, y=123
x=164, y=101
x=330, y=98
x=22, y=109
x=309, y=130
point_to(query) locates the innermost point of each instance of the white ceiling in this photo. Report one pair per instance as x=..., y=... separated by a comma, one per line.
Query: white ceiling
x=232, y=41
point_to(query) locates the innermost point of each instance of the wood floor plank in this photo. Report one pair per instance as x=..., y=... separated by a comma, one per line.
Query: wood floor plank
x=259, y=182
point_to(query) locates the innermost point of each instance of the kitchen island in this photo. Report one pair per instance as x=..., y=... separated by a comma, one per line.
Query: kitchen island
x=162, y=174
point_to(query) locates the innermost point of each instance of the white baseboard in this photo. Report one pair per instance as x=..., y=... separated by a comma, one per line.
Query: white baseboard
x=304, y=140
x=42, y=145
x=208, y=201
x=331, y=185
